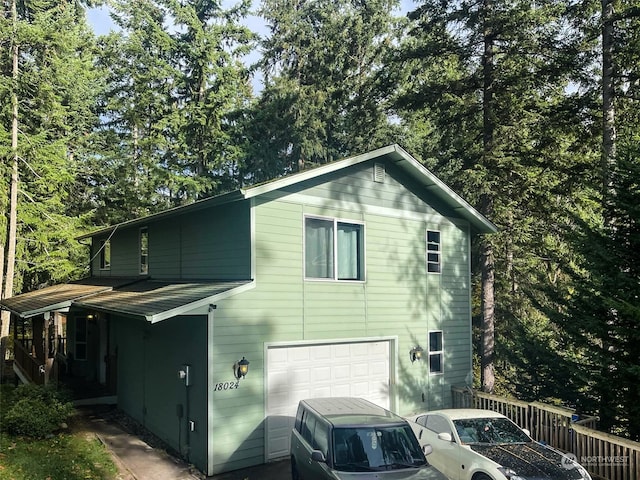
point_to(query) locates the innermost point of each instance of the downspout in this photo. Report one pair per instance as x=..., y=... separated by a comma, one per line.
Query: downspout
x=210, y=377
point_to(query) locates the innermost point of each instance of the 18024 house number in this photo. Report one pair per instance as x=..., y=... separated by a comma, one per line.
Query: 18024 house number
x=218, y=387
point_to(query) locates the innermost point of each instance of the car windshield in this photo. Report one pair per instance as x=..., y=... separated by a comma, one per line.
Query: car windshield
x=372, y=448
x=489, y=430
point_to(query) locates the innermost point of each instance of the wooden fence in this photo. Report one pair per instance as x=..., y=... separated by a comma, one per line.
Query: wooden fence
x=603, y=455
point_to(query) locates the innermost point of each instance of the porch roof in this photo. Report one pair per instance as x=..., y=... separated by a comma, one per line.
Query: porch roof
x=58, y=297
x=155, y=300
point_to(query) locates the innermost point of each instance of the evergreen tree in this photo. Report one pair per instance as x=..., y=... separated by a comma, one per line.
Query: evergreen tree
x=175, y=81
x=48, y=88
x=124, y=177
x=491, y=80
x=323, y=64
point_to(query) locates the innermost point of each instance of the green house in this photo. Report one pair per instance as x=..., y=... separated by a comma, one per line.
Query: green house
x=352, y=278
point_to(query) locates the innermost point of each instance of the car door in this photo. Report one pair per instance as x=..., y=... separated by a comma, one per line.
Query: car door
x=315, y=436
x=446, y=454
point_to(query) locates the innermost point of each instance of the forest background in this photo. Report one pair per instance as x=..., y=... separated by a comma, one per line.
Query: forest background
x=528, y=109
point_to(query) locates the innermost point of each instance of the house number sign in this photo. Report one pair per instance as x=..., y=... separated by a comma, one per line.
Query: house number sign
x=218, y=387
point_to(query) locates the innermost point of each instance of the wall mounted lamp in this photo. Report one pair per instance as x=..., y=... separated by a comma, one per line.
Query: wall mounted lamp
x=415, y=353
x=241, y=368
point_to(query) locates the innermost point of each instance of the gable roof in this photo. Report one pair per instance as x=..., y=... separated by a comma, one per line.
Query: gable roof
x=393, y=153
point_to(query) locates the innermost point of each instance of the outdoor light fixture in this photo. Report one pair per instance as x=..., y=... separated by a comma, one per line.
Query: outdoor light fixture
x=415, y=353
x=240, y=368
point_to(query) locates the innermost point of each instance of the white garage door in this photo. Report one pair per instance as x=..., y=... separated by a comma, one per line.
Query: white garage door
x=307, y=371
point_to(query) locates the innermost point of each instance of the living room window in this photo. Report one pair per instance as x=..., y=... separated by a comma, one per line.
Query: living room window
x=434, y=253
x=144, y=251
x=436, y=352
x=105, y=254
x=334, y=249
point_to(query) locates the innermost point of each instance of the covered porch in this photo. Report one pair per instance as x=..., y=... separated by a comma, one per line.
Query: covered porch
x=52, y=345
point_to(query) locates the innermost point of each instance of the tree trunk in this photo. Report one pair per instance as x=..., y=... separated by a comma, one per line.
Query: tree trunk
x=607, y=410
x=13, y=196
x=608, y=94
x=488, y=318
x=487, y=260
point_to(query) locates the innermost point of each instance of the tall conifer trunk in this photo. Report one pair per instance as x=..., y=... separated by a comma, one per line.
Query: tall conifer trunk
x=608, y=95
x=608, y=164
x=10, y=258
x=486, y=253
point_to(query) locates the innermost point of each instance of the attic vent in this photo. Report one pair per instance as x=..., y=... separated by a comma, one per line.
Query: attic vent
x=378, y=173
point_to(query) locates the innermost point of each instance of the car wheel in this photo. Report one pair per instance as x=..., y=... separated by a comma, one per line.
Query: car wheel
x=295, y=475
x=482, y=476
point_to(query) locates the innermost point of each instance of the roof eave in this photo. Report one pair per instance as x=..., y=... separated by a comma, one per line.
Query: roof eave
x=204, y=203
x=200, y=303
x=181, y=310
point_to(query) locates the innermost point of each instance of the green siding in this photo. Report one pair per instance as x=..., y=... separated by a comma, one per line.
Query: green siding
x=212, y=243
x=149, y=358
x=397, y=298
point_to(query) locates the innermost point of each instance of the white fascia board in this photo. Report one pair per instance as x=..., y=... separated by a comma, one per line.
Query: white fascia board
x=316, y=172
x=458, y=203
x=406, y=162
x=189, y=307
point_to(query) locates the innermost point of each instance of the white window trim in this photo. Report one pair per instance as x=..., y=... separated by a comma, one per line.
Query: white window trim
x=102, y=257
x=435, y=352
x=427, y=251
x=335, y=221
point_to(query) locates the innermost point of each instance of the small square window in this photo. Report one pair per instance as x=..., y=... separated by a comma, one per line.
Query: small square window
x=434, y=253
x=436, y=352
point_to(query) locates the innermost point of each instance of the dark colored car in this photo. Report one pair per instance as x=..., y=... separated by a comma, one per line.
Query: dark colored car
x=352, y=438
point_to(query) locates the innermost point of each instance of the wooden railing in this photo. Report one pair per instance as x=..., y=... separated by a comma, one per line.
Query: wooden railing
x=30, y=366
x=603, y=455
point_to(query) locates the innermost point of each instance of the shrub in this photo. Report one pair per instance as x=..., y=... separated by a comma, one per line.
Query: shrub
x=35, y=411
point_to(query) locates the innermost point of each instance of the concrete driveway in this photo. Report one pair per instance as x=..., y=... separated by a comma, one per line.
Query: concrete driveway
x=280, y=470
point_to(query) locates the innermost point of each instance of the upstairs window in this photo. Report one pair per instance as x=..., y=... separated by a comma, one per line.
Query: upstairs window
x=334, y=250
x=436, y=352
x=105, y=254
x=144, y=251
x=434, y=254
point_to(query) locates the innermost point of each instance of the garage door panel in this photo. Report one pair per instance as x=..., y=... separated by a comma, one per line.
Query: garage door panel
x=360, y=370
x=294, y=373
x=321, y=374
x=300, y=376
x=340, y=372
x=321, y=352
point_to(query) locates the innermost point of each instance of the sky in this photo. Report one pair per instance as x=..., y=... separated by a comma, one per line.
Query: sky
x=102, y=24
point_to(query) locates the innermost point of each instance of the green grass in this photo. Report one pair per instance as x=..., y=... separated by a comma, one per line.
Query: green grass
x=65, y=456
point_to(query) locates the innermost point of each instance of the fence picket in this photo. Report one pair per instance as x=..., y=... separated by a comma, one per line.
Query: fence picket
x=604, y=455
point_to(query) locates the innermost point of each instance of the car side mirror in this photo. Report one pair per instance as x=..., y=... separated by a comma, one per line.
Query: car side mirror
x=445, y=436
x=427, y=449
x=527, y=432
x=318, y=456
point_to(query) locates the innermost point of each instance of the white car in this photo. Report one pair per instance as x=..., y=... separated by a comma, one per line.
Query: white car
x=472, y=444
